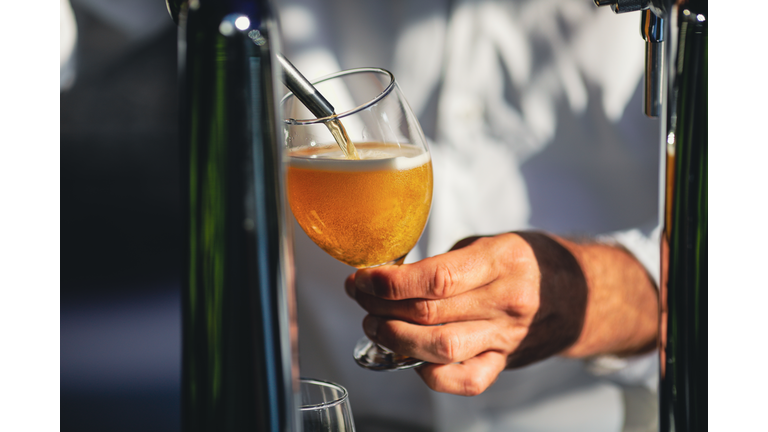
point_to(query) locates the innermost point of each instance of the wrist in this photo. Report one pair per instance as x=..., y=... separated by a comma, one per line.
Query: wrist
x=621, y=316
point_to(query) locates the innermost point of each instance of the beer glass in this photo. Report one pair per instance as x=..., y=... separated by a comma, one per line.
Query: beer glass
x=324, y=407
x=369, y=211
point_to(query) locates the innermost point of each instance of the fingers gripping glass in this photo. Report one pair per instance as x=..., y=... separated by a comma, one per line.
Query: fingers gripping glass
x=369, y=211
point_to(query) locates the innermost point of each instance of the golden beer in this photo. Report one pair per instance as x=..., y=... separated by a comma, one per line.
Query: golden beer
x=362, y=212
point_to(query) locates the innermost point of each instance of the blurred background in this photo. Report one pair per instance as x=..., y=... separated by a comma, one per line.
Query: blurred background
x=120, y=237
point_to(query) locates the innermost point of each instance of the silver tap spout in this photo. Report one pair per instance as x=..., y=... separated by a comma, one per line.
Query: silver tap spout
x=304, y=90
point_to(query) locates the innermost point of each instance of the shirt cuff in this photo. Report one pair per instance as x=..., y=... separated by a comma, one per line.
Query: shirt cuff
x=646, y=248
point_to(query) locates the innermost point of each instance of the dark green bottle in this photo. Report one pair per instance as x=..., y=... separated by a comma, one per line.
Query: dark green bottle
x=238, y=356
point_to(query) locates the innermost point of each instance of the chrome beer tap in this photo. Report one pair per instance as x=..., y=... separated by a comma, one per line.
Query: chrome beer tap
x=652, y=30
x=676, y=34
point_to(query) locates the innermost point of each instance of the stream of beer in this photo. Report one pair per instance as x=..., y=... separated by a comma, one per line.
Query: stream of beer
x=342, y=138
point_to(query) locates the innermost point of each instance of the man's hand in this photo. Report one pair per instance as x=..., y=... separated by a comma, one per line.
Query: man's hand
x=507, y=301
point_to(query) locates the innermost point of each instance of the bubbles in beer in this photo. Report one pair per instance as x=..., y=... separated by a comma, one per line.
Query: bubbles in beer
x=362, y=212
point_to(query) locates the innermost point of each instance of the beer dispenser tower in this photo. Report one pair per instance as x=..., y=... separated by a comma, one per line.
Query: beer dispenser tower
x=675, y=32
x=239, y=366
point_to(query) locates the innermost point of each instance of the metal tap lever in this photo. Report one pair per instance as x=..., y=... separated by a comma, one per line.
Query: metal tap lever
x=652, y=30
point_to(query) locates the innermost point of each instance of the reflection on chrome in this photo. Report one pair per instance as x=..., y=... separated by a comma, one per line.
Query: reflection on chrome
x=242, y=23
x=232, y=22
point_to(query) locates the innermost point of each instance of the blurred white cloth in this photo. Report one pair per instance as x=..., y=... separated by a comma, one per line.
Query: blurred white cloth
x=67, y=42
x=533, y=113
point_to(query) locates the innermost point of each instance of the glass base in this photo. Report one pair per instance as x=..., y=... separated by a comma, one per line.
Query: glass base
x=375, y=357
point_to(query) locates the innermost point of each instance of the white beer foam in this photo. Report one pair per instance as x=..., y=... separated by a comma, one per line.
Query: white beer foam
x=377, y=159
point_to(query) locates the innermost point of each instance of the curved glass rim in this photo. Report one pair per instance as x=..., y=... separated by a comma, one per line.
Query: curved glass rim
x=355, y=110
x=328, y=404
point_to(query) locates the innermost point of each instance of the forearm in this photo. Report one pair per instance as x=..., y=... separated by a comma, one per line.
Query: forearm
x=621, y=316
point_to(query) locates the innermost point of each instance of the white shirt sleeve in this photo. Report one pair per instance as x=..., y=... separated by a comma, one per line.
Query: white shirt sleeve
x=68, y=41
